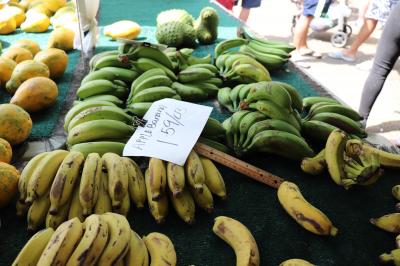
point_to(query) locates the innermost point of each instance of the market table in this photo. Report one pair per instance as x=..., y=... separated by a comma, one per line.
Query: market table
x=278, y=236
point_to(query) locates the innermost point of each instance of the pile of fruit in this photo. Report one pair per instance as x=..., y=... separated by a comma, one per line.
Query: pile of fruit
x=178, y=28
x=105, y=239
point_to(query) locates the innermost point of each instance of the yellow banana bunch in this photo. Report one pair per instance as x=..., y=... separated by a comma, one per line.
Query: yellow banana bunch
x=305, y=214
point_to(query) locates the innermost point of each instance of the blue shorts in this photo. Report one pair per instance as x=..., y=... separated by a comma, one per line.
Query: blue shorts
x=251, y=3
x=310, y=7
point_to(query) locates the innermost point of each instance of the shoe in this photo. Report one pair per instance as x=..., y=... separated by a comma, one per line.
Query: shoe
x=306, y=52
x=341, y=56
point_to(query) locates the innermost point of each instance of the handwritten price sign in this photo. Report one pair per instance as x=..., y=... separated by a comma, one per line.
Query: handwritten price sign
x=171, y=131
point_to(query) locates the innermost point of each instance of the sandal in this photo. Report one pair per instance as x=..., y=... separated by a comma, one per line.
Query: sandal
x=341, y=56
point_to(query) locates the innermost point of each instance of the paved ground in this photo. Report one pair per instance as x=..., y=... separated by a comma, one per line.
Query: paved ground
x=344, y=80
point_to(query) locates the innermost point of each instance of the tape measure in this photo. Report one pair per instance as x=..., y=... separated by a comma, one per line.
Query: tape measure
x=239, y=165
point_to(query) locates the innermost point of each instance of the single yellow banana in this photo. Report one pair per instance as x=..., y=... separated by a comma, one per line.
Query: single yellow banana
x=30, y=253
x=64, y=181
x=161, y=249
x=54, y=220
x=194, y=171
x=239, y=237
x=103, y=203
x=305, y=214
x=175, y=178
x=137, y=254
x=214, y=180
x=296, y=262
x=117, y=178
x=334, y=150
x=159, y=208
x=37, y=212
x=157, y=178
x=27, y=173
x=184, y=205
x=389, y=222
x=90, y=182
x=119, y=237
x=92, y=244
x=203, y=199
x=125, y=206
x=44, y=174
x=75, y=209
x=62, y=243
x=136, y=184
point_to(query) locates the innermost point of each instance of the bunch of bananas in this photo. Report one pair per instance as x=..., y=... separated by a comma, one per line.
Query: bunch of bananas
x=281, y=93
x=105, y=239
x=345, y=166
x=213, y=135
x=236, y=66
x=239, y=237
x=60, y=185
x=325, y=115
x=195, y=182
x=97, y=124
x=184, y=57
x=272, y=54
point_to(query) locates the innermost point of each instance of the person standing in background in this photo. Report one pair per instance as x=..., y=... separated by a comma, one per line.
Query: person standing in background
x=244, y=14
x=387, y=53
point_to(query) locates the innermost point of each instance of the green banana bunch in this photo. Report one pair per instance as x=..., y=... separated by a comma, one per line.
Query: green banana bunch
x=97, y=87
x=102, y=97
x=144, y=64
x=108, y=59
x=143, y=77
x=269, y=60
x=284, y=46
x=98, y=56
x=111, y=74
x=213, y=130
x=247, y=72
x=226, y=45
x=308, y=102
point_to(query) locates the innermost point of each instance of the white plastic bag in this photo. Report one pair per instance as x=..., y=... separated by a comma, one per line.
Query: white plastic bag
x=87, y=16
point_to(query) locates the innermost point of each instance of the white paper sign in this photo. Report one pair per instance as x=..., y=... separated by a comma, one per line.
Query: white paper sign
x=171, y=131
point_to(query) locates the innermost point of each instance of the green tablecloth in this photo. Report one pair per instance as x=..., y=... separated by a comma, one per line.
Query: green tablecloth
x=254, y=204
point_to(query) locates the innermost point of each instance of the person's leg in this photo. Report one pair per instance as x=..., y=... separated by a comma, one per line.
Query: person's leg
x=247, y=5
x=300, y=33
x=244, y=14
x=362, y=10
x=366, y=30
x=387, y=53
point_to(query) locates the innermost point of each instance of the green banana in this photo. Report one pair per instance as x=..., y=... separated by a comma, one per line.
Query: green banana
x=208, y=88
x=153, y=94
x=246, y=59
x=99, y=147
x=281, y=143
x=243, y=92
x=223, y=46
x=98, y=56
x=210, y=67
x=139, y=109
x=262, y=48
x=214, y=144
x=145, y=75
x=145, y=51
x=95, y=87
x=247, y=73
x=111, y=61
x=270, y=61
x=189, y=92
x=246, y=122
x=342, y=122
x=309, y=101
x=193, y=60
x=220, y=62
x=224, y=98
x=234, y=95
x=229, y=132
x=213, y=129
x=269, y=43
x=338, y=109
x=334, y=155
x=112, y=73
x=145, y=64
x=120, y=93
x=105, y=97
x=153, y=81
x=297, y=100
x=97, y=130
x=317, y=130
x=195, y=75
x=98, y=113
x=216, y=81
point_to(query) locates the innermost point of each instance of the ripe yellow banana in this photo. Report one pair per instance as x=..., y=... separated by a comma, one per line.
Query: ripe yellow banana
x=239, y=238
x=334, y=151
x=314, y=165
x=175, y=178
x=157, y=178
x=54, y=220
x=136, y=184
x=137, y=254
x=117, y=178
x=159, y=208
x=161, y=249
x=194, y=171
x=204, y=199
x=27, y=173
x=62, y=243
x=305, y=214
x=64, y=181
x=184, y=205
x=75, y=209
x=103, y=203
x=214, y=180
x=92, y=243
x=296, y=262
x=37, y=212
x=44, y=174
x=30, y=253
x=90, y=182
x=389, y=222
x=119, y=237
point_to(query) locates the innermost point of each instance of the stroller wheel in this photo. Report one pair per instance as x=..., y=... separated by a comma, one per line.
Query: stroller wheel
x=339, y=39
x=348, y=30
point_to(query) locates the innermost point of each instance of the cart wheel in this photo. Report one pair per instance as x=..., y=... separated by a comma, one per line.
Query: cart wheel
x=348, y=30
x=339, y=39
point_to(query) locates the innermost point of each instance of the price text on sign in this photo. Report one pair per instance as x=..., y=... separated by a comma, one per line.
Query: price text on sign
x=171, y=130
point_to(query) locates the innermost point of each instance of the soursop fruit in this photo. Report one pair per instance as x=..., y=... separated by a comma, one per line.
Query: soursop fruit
x=206, y=26
x=176, y=34
x=179, y=15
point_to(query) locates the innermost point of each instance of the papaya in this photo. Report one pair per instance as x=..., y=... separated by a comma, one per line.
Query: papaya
x=15, y=123
x=39, y=7
x=18, y=54
x=30, y=45
x=9, y=176
x=17, y=13
x=6, y=68
x=7, y=24
x=55, y=59
x=36, y=22
x=52, y=5
x=5, y=151
x=122, y=29
x=64, y=16
x=61, y=38
x=25, y=70
x=36, y=94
